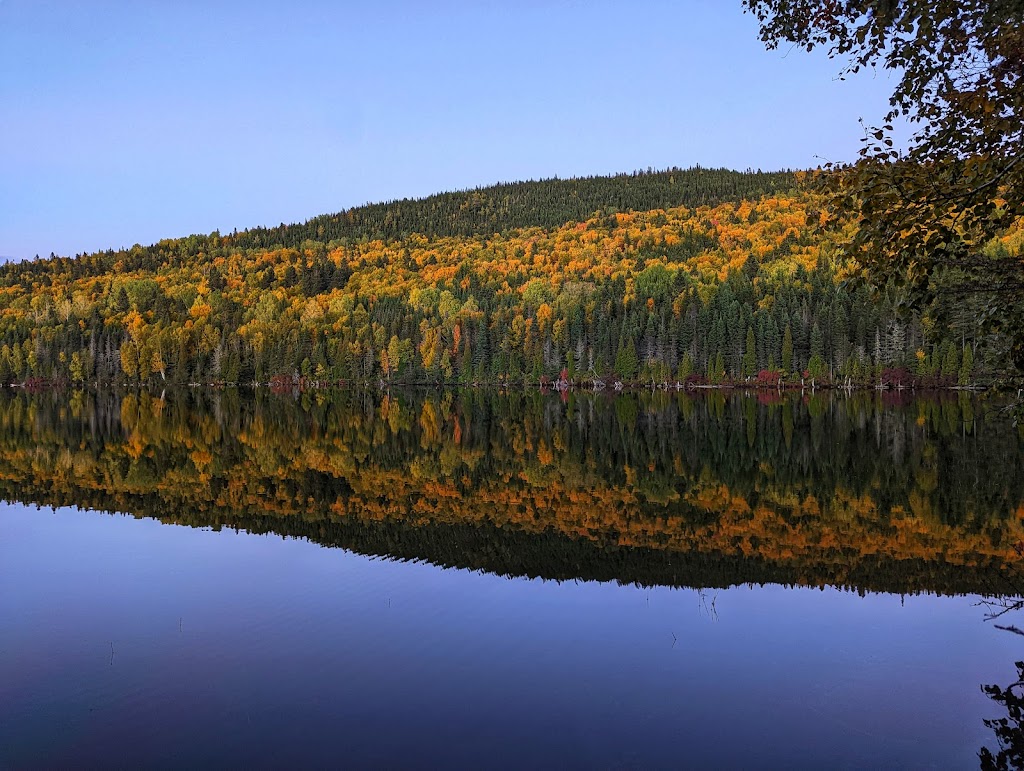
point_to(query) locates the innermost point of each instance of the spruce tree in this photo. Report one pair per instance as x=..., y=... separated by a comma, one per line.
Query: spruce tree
x=626, y=359
x=787, y=350
x=750, y=356
x=966, y=367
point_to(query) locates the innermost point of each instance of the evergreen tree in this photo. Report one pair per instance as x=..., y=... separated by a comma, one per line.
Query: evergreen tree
x=966, y=367
x=626, y=359
x=750, y=356
x=787, y=350
x=950, y=360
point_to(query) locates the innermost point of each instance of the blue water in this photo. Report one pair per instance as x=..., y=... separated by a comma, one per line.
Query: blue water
x=129, y=643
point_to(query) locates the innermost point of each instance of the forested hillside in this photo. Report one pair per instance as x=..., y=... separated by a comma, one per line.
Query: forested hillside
x=667, y=276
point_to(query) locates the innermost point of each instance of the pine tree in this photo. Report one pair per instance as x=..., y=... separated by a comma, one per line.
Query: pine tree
x=950, y=360
x=816, y=364
x=750, y=356
x=787, y=350
x=966, y=367
x=685, y=367
x=626, y=359
x=717, y=374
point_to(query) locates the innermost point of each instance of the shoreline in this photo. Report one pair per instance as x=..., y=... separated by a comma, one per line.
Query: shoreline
x=303, y=385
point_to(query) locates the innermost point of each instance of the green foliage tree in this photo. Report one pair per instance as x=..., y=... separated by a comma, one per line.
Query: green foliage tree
x=626, y=359
x=716, y=370
x=750, y=354
x=966, y=367
x=787, y=350
x=685, y=367
x=950, y=360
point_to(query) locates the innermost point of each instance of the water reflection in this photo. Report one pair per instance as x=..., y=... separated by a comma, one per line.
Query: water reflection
x=908, y=496
x=924, y=494
x=1009, y=730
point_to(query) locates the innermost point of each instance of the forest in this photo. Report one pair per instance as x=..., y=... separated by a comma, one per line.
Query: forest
x=705, y=489
x=696, y=276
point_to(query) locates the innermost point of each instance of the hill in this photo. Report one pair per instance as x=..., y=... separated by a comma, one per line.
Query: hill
x=658, y=276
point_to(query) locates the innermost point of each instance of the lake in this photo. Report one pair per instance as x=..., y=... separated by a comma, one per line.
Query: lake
x=478, y=578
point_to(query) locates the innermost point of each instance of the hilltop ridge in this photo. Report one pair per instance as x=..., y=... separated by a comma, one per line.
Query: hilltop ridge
x=690, y=276
x=485, y=210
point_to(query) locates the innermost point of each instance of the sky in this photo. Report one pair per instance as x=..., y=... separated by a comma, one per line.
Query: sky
x=124, y=123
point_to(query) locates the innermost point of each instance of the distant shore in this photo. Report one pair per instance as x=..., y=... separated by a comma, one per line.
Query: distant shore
x=300, y=384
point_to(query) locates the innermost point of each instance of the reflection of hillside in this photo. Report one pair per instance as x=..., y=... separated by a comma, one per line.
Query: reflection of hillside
x=655, y=488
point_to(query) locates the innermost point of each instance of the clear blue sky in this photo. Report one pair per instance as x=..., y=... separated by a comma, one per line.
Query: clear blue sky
x=129, y=122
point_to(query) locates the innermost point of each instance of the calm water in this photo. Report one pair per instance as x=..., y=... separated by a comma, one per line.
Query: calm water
x=506, y=580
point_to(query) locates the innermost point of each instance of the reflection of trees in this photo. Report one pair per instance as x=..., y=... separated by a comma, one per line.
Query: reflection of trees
x=997, y=608
x=1009, y=730
x=925, y=495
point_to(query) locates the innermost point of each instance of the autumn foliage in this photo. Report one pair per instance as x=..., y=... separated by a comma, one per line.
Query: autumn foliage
x=816, y=490
x=722, y=290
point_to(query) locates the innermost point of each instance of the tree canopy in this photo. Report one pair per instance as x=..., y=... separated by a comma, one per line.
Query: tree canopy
x=926, y=213
x=740, y=290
